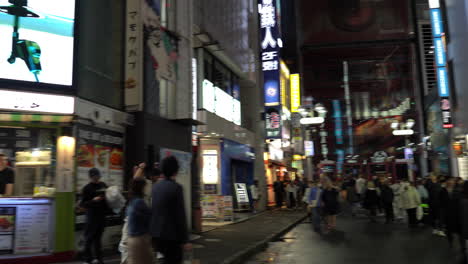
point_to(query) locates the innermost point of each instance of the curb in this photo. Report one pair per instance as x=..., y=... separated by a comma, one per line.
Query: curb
x=243, y=255
x=237, y=222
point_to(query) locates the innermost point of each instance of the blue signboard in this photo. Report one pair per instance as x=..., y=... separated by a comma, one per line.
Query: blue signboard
x=441, y=59
x=437, y=28
x=338, y=125
x=444, y=90
x=270, y=51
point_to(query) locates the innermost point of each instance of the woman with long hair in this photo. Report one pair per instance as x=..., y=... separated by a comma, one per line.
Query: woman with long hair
x=139, y=219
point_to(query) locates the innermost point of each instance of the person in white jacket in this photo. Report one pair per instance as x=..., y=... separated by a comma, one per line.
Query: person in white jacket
x=410, y=201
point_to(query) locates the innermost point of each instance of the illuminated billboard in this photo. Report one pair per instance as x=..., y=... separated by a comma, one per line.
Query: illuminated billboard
x=295, y=92
x=36, y=40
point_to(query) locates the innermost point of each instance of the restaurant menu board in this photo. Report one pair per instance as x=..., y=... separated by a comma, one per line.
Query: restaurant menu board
x=463, y=167
x=210, y=207
x=32, y=229
x=241, y=193
x=101, y=149
x=217, y=207
x=227, y=208
x=20, y=139
x=7, y=229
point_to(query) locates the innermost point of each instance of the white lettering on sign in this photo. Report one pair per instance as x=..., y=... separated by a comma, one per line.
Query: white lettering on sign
x=267, y=21
x=96, y=136
x=36, y=102
x=270, y=65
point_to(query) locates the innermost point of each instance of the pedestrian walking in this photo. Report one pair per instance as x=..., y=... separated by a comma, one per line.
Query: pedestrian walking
x=450, y=209
x=399, y=211
x=352, y=197
x=410, y=202
x=93, y=201
x=139, y=173
x=255, y=195
x=387, y=197
x=314, y=202
x=139, y=218
x=331, y=204
x=361, y=184
x=434, y=189
x=278, y=188
x=168, y=223
x=371, y=200
x=291, y=190
x=464, y=220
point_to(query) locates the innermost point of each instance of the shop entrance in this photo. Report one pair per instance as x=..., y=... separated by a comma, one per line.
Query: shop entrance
x=240, y=182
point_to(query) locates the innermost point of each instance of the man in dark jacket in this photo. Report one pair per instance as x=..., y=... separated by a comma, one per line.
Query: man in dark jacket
x=278, y=188
x=168, y=224
x=387, y=196
x=96, y=208
x=450, y=206
x=434, y=189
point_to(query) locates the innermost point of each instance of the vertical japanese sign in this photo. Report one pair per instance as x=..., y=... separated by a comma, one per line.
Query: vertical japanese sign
x=438, y=34
x=295, y=92
x=134, y=57
x=270, y=58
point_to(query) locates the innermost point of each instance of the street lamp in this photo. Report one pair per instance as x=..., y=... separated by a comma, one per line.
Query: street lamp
x=312, y=120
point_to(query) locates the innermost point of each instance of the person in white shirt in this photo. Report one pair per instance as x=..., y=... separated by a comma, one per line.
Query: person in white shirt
x=255, y=195
x=361, y=186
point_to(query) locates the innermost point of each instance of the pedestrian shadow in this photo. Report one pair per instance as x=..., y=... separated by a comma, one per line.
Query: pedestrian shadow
x=336, y=237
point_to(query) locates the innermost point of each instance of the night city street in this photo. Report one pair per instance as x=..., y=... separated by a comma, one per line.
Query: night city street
x=233, y=131
x=358, y=241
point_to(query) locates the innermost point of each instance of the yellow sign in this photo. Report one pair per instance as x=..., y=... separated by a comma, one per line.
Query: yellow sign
x=295, y=92
x=297, y=157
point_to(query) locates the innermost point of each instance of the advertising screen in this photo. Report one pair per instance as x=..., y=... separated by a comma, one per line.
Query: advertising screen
x=36, y=40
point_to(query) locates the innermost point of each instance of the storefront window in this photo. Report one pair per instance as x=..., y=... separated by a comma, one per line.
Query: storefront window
x=31, y=152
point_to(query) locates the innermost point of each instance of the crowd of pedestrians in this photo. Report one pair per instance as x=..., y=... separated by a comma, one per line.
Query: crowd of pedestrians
x=439, y=202
x=155, y=219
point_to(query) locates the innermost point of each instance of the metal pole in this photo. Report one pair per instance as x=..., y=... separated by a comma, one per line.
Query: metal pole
x=348, y=107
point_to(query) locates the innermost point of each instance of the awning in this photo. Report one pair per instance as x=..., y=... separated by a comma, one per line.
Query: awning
x=16, y=117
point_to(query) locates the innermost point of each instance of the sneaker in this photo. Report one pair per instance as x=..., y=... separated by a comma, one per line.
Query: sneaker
x=441, y=233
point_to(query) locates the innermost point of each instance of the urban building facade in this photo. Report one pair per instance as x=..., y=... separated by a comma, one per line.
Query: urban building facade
x=230, y=140
x=62, y=113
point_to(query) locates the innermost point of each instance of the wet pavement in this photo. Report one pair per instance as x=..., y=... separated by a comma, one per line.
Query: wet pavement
x=357, y=241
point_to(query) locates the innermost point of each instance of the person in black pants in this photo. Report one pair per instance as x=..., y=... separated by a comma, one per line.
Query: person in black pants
x=278, y=188
x=169, y=223
x=371, y=201
x=450, y=199
x=96, y=208
x=387, y=196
